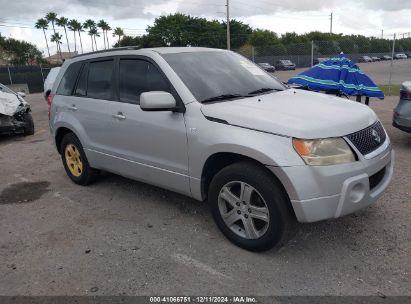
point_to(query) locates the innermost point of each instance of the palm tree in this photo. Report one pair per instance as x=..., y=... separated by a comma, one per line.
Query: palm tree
x=72, y=27
x=118, y=32
x=90, y=32
x=43, y=24
x=94, y=34
x=108, y=28
x=52, y=17
x=63, y=21
x=79, y=29
x=90, y=25
x=57, y=39
x=104, y=27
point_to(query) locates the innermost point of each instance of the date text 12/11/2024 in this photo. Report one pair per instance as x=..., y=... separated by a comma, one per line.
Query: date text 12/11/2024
x=203, y=299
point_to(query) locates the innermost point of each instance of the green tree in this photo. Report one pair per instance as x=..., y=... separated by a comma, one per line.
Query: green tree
x=52, y=17
x=239, y=32
x=118, y=32
x=72, y=27
x=57, y=39
x=19, y=52
x=91, y=26
x=105, y=28
x=77, y=26
x=43, y=25
x=63, y=21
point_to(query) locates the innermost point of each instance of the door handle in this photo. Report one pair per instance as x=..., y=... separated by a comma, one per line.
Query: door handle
x=119, y=116
x=73, y=108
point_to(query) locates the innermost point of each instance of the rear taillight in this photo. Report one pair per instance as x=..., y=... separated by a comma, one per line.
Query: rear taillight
x=50, y=102
x=405, y=94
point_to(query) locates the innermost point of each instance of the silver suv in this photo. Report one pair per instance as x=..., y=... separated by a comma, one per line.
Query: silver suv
x=212, y=125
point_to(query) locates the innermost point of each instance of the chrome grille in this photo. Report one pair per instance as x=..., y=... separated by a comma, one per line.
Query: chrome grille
x=368, y=139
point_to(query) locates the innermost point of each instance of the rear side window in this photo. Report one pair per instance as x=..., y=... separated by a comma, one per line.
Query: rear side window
x=139, y=76
x=100, y=80
x=68, y=81
x=81, y=89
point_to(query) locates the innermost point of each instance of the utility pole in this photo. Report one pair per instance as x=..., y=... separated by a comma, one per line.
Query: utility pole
x=392, y=62
x=228, y=24
x=382, y=34
x=331, y=24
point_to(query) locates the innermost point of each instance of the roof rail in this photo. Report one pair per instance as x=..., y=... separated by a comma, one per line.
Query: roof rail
x=135, y=47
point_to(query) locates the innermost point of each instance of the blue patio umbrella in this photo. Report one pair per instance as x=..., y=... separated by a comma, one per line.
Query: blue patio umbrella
x=337, y=75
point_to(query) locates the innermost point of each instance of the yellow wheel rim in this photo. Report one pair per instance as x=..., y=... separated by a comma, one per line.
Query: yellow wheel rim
x=73, y=160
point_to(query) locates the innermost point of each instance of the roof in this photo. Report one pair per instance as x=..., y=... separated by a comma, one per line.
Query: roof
x=159, y=50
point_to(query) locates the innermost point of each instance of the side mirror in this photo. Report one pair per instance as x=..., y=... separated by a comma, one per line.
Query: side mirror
x=21, y=94
x=157, y=101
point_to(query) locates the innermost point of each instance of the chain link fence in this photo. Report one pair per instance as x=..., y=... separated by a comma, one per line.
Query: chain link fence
x=33, y=76
x=379, y=63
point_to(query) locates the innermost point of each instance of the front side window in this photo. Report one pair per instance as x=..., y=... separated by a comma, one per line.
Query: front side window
x=100, y=80
x=69, y=79
x=209, y=74
x=139, y=76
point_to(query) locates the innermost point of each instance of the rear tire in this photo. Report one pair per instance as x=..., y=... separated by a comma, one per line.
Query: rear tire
x=28, y=124
x=268, y=209
x=75, y=161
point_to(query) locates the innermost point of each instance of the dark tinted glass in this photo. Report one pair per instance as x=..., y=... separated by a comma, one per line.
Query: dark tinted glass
x=69, y=79
x=214, y=73
x=138, y=76
x=81, y=89
x=99, y=84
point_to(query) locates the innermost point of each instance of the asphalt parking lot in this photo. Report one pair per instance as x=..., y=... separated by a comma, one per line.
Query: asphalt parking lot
x=378, y=71
x=122, y=237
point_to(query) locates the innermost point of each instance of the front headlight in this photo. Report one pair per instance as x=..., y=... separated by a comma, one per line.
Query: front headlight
x=324, y=152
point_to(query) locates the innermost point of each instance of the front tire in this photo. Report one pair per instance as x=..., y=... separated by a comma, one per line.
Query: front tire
x=250, y=207
x=75, y=161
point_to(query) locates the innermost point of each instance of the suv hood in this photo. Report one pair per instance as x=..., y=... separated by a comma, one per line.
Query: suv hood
x=295, y=113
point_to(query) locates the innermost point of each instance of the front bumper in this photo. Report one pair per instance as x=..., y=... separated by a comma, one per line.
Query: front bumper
x=323, y=192
x=10, y=125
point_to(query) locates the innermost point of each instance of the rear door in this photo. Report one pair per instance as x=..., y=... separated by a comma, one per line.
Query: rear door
x=92, y=98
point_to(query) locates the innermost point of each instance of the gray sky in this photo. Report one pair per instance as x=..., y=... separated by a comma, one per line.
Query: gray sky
x=367, y=17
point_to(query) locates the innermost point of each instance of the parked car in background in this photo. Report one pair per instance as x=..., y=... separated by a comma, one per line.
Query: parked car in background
x=386, y=57
x=400, y=56
x=261, y=154
x=285, y=64
x=402, y=113
x=48, y=83
x=365, y=59
x=408, y=55
x=267, y=67
x=375, y=58
x=15, y=113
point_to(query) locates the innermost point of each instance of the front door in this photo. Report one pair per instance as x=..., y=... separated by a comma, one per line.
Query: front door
x=149, y=146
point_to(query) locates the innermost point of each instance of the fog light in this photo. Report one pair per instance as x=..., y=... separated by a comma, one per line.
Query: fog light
x=357, y=193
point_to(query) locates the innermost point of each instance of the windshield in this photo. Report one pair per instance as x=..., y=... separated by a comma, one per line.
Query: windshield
x=210, y=74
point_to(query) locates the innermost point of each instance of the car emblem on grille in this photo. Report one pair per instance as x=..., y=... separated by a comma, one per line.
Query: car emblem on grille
x=376, y=136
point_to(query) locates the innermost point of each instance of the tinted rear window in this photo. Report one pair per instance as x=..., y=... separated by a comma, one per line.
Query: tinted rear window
x=69, y=79
x=100, y=84
x=81, y=89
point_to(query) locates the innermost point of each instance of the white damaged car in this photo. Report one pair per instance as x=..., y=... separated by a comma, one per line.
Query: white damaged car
x=15, y=113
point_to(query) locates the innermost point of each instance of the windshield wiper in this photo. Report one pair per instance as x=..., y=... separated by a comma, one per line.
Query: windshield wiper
x=222, y=97
x=263, y=90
